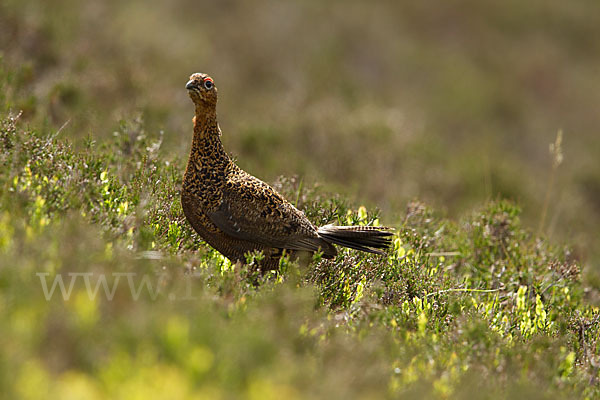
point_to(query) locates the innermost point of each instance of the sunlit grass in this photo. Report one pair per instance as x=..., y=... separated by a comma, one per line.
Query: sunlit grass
x=145, y=309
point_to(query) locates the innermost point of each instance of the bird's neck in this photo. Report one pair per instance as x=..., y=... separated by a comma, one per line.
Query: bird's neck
x=206, y=143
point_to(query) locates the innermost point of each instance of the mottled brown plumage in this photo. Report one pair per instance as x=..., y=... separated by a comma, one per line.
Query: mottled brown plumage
x=237, y=213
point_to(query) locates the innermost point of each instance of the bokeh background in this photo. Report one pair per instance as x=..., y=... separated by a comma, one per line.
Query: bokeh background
x=452, y=103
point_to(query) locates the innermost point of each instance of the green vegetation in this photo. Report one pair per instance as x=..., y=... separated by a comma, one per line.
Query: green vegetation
x=490, y=292
x=475, y=308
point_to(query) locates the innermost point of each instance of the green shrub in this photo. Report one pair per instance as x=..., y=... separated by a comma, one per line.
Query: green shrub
x=478, y=307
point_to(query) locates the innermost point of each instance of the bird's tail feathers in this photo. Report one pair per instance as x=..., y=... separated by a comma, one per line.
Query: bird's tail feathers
x=371, y=239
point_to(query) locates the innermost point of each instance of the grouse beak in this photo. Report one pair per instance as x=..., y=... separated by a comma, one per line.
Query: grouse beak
x=191, y=85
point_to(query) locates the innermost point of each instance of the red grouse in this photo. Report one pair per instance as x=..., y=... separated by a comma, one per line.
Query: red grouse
x=237, y=213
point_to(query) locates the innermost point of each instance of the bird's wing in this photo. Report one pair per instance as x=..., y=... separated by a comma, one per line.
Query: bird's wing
x=251, y=210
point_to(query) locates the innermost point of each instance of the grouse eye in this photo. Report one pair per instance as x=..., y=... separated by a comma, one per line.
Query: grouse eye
x=208, y=84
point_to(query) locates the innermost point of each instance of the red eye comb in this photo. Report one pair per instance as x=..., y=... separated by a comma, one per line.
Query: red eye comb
x=208, y=79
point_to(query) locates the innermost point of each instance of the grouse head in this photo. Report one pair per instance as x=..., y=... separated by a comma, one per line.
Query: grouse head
x=202, y=90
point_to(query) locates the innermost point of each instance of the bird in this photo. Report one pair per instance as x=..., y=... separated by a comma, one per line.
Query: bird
x=237, y=213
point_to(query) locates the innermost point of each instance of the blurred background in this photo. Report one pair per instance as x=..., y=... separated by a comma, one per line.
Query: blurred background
x=452, y=103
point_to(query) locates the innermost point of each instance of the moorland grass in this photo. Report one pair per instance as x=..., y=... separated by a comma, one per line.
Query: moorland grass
x=472, y=308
